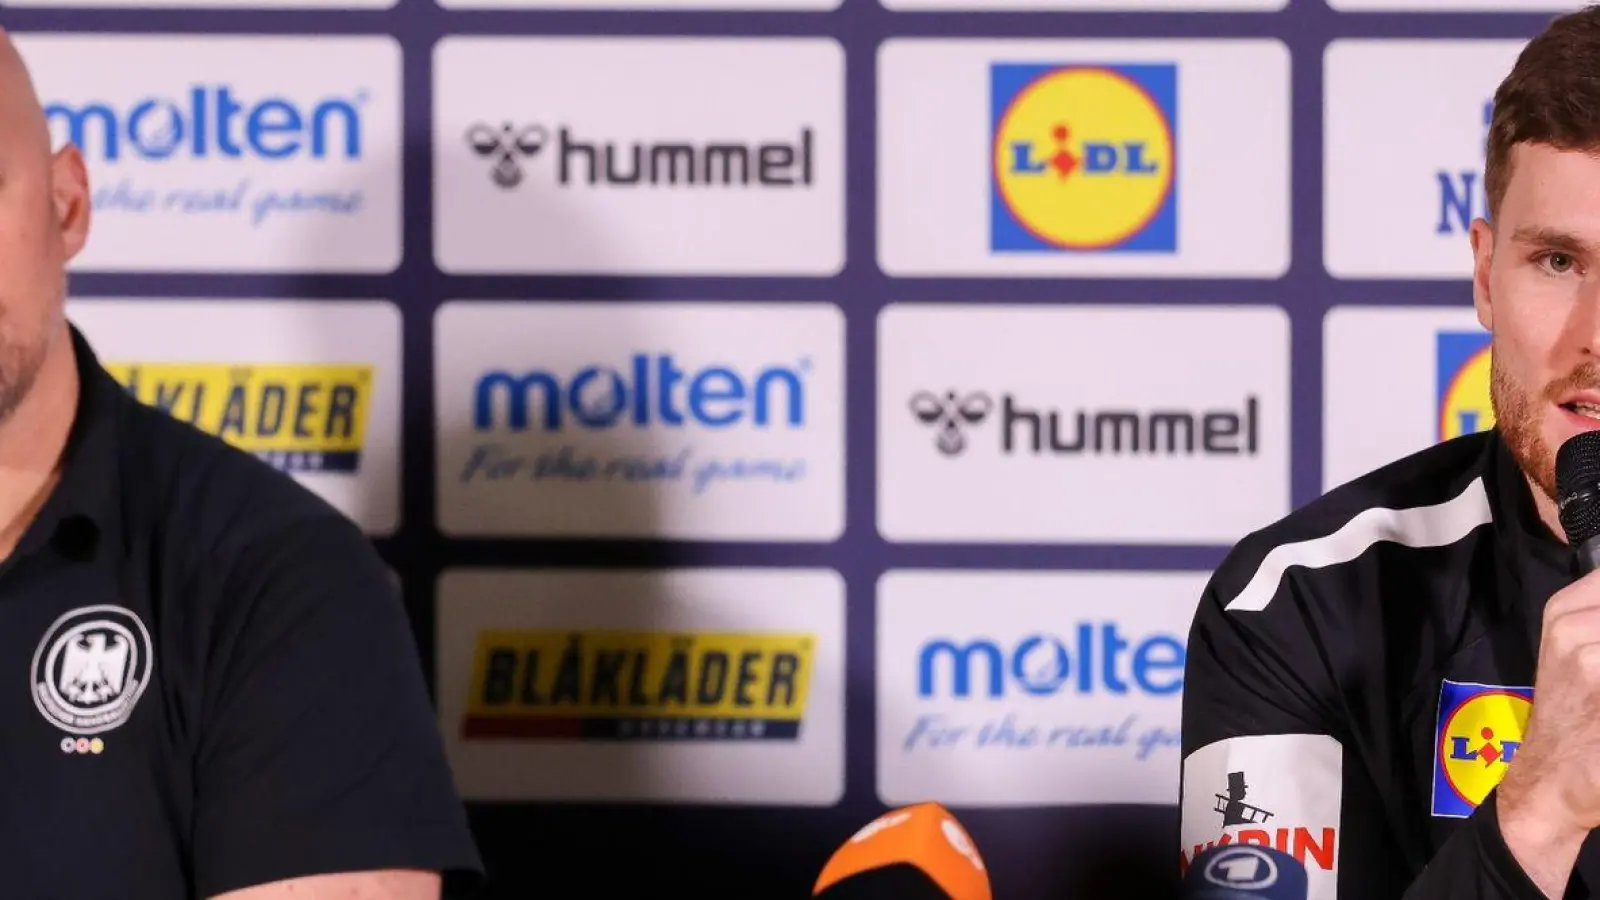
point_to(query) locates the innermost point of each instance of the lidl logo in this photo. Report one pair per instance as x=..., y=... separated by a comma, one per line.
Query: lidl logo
x=298, y=417
x=1477, y=735
x=630, y=686
x=1084, y=157
x=1463, y=383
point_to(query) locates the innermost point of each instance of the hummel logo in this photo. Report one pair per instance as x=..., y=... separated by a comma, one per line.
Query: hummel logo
x=950, y=413
x=506, y=146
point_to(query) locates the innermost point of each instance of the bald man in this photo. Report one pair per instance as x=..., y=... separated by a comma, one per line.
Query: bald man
x=223, y=697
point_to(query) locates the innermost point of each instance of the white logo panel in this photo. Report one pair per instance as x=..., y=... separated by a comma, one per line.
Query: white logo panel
x=711, y=421
x=1528, y=6
x=1278, y=790
x=1405, y=125
x=311, y=386
x=728, y=5
x=674, y=156
x=246, y=154
x=1093, y=5
x=189, y=4
x=1031, y=689
x=1092, y=424
x=762, y=652
x=1387, y=374
x=943, y=209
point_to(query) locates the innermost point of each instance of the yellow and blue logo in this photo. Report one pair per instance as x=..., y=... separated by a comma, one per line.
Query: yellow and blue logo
x=597, y=685
x=1479, y=729
x=1084, y=158
x=1463, y=383
x=298, y=417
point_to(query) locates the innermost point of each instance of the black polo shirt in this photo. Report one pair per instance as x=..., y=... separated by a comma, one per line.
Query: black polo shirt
x=212, y=682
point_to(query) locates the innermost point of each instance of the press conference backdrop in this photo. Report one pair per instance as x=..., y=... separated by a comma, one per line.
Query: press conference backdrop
x=780, y=409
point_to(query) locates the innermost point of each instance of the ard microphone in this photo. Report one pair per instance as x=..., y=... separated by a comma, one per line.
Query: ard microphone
x=1578, y=497
x=1244, y=872
x=912, y=853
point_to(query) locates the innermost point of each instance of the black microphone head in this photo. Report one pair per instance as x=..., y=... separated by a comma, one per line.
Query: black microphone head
x=1578, y=486
x=896, y=881
x=1245, y=872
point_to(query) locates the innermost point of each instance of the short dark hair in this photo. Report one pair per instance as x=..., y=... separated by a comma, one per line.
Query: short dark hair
x=1551, y=96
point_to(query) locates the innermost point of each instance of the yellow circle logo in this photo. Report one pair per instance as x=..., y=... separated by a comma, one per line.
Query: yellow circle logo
x=1083, y=158
x=1464, y=368
x=1479, y=739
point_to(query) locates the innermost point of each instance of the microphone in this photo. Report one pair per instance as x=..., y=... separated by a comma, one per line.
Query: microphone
x=1244, y=872
x=1578, y=497
x=913, y=853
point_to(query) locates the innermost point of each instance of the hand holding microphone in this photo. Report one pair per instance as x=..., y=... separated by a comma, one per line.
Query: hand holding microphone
x=913, y=853
x=1549, y=798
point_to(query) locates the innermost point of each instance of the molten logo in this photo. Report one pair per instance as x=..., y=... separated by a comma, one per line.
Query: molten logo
x=647, y=390
x=213, y=121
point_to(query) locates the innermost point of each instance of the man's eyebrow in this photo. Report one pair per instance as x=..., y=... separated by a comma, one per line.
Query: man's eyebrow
x=1554, y=239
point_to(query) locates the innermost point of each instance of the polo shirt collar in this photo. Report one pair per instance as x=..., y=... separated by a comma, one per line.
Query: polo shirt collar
x=83, y=510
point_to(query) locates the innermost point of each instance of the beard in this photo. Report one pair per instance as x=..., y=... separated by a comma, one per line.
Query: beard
x=21, y=358
x=1519, y=413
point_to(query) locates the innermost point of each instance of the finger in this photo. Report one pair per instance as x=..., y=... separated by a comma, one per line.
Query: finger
x=1572, y=631
x=1588, y=660
x=1581, y=594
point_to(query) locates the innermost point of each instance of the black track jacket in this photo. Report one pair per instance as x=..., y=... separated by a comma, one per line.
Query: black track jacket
x=1359, y=676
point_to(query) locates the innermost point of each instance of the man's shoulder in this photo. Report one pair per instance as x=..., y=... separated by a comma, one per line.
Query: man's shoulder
x=201, y=496
x=1432, y=498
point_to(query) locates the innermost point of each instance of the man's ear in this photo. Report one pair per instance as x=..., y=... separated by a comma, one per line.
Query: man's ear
x=1482, y=234
x=69, y=189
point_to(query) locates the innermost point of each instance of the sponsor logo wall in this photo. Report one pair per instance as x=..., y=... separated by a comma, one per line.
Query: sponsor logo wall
x=1015, y=424
x=1053, y=163
x=642, y=156
x=681, y=685
x=1431, y=102
x=1072, y=679
x=706, y=421
x=774, y=418
x=1433, y=385
x=231, y=154
x=312, y=388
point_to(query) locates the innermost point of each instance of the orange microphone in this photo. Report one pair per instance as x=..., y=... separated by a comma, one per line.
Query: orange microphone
x=913, y=853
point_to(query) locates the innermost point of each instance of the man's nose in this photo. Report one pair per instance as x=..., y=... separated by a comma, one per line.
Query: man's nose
x=1584, y=323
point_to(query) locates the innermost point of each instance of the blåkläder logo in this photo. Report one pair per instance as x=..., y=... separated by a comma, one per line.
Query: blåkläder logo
x=590, y=685
x=297, y=417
